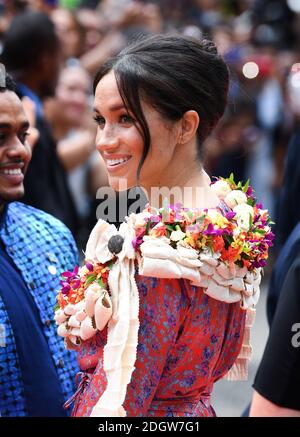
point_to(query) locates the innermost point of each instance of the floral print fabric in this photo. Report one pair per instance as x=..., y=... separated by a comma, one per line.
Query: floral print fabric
x=187, y=341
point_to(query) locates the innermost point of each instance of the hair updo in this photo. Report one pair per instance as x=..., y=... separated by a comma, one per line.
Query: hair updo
x=174, y=74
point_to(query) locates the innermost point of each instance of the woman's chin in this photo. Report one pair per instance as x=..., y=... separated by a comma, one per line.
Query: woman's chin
x=121, y=183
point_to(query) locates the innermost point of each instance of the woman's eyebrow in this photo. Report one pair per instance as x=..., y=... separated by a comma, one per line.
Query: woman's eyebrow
x=113, y=108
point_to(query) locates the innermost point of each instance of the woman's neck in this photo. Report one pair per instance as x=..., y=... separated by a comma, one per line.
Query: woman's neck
x=192, y=190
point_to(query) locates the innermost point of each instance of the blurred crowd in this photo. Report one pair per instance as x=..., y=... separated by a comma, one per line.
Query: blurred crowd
x=260, y=41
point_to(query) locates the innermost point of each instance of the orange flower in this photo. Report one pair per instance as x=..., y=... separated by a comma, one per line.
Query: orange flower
x=247, y=263
x=218, y=244
x=158, y=231
x=231, y=254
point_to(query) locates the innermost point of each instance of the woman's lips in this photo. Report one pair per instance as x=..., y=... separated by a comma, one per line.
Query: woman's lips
x=116, y=163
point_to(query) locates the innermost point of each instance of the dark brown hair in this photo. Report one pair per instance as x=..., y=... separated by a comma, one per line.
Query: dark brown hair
x=174, y=74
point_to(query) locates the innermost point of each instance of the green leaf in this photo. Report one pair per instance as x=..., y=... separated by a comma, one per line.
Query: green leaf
x=110, y=264
x=260, y=231
x=250, y=222
x=246, y=186
x=56, y=307
x=148, y=227
x=101, y=283
x=170, y=228
x=228, y=240
x=251, y=202
x=200, y=220
x=231, y=178
x=90, y=279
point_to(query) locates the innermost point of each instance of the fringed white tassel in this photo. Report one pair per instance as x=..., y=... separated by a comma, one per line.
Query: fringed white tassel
x=121, y=348
x=239, y=370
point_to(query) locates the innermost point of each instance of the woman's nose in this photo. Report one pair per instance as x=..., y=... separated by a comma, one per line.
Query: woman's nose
x=107, y=139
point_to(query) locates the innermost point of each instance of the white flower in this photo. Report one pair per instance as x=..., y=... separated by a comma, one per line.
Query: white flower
x=140, y=219
x=243, y=213
x=221, y=189
x=236, y=197
x=243, y=208
x=177, y=235
x=212, y=214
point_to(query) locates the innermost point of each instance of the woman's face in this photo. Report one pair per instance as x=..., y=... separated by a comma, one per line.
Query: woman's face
x=121, y=145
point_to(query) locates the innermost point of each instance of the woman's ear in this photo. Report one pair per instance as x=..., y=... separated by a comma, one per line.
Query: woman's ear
x=189, y=125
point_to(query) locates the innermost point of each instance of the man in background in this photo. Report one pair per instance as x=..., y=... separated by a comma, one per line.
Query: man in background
x=31, y=53
x=36, y=372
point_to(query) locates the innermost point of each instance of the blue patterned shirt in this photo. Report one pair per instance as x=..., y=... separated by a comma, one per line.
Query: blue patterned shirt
x=40, y=248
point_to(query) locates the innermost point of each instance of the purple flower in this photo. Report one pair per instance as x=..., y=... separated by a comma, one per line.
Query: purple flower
x=178, y=216
x=260, y=263
x=71, y=275
x=178, y=206
x=76, y=284
x=230, y=215
x=89, y=266
x=270, y=236
x=260, y=206
x=66, y=288
x=154, y=219
x=249, y=191
x=212, y=231
x=136, y=242
x=194, y=228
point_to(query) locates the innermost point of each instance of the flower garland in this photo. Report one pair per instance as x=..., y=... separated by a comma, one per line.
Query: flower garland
x=83, y=303
x=228, y=249
x=241, y=236
x=76, y=282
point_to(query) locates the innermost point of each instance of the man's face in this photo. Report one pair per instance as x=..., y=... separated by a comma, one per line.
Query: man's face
x=15, y=152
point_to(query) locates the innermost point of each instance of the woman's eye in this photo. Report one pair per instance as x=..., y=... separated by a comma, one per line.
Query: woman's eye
x=126, y=119
x=99, y=120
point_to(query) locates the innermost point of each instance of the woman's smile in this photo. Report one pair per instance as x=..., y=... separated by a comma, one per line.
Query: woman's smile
x=116, y=162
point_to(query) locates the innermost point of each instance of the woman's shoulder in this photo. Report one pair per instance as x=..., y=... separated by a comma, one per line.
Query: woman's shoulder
x=221, y=249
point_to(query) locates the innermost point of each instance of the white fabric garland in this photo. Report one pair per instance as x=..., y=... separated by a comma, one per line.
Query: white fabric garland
x=158, y=259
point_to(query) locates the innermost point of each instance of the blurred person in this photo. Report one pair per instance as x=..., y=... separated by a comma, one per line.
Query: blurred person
x=9, y=9
x=272, y=24
x=288, y=207
x=36, y=373
x=277, y=382
x=32, y=53
x=70, y=32
x=275, y=398
x=264, y=90
x=287, y=223
x=93, y=26
x=113, y=26
x=68, y=115
x=231, y=146
x=207, y=13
